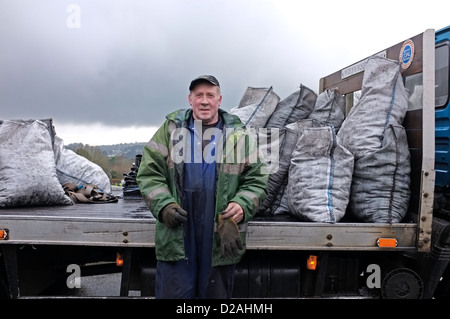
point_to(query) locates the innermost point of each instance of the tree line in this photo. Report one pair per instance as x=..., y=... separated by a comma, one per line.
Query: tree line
x=114, y=166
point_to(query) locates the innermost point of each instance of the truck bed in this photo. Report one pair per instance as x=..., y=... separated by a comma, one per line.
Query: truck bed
x=129, y=223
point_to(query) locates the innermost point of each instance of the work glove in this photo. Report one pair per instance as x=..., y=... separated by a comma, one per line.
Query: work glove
x=173, y=215
x=229, y=237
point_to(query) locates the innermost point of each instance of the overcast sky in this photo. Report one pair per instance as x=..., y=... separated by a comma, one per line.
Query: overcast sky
x=108, y=71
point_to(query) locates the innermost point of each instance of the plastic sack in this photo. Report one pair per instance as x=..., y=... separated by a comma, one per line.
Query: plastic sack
x=275, y=174
x=329, y=109
x=320, y=177
x=74, y=168
x=384, y=101
x=381, y=181
x=256, y=106
x=27, y=166
x=276, y=200
x=297, y=106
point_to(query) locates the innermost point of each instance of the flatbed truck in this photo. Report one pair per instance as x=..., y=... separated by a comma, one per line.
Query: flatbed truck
x=285, y=258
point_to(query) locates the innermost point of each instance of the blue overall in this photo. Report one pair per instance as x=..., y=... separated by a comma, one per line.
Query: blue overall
x=194, y=277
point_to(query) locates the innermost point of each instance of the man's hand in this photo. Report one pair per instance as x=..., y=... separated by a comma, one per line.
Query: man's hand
x=230, y=239
x=235, y=211
x=173, y=215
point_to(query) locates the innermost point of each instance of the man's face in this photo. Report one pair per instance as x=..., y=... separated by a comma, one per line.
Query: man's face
x=205, y=100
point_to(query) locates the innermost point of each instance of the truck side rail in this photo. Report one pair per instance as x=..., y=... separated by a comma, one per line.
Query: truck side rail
x=129, y=223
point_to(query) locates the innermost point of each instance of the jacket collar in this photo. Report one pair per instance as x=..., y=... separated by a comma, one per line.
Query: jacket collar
x=181, y=118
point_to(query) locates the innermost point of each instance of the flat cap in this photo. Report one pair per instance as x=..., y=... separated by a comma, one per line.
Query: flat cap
x=203, y=78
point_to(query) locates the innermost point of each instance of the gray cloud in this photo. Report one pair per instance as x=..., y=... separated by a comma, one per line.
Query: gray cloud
x=130, y=62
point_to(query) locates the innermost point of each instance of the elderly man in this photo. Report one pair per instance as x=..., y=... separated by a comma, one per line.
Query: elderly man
x=201, y=196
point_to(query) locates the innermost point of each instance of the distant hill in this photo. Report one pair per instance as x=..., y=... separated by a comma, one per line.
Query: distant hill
x=129, y=150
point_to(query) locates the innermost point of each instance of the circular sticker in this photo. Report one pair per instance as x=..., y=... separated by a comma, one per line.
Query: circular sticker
x=406, y=54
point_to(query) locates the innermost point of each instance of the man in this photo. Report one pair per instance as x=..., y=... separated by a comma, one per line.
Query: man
x=202, y=181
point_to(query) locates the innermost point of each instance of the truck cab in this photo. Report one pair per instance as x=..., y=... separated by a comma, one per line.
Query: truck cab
x=442, y=110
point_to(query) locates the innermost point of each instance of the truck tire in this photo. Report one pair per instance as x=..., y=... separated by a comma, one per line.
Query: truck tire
x=402, y=283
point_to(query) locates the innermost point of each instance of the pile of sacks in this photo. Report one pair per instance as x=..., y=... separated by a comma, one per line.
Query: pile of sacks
x=130, y=187
x=324, y=165
x=374, y=134
x=34, y=166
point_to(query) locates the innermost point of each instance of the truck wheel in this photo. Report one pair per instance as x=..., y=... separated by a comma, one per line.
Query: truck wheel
x=402, y=283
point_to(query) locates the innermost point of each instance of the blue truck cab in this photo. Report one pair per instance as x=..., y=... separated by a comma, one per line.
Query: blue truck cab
x=442, y=108
x=442, y=113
